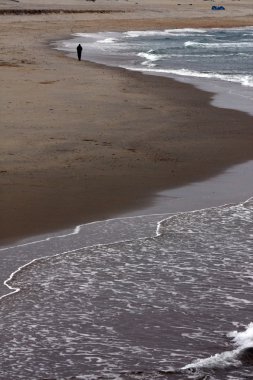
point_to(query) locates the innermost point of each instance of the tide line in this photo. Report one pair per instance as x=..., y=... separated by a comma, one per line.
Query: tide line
x=77, y=229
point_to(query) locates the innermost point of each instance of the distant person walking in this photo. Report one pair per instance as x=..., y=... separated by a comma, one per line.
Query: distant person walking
x=79, y=50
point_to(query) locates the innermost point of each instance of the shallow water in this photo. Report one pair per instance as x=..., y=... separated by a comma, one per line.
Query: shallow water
x=142, y=308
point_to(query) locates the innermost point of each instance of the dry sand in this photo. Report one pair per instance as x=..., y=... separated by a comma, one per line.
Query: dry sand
x=81, y=141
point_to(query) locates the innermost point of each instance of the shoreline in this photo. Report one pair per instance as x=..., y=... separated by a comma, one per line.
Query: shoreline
x=237, y=97
x=88, y=172
x=201, y=195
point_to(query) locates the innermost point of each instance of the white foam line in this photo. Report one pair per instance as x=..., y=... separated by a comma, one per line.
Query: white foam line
x=157, y=234
x=74, y=232
x=16, y=290
x=77, y=229
x=159, y=224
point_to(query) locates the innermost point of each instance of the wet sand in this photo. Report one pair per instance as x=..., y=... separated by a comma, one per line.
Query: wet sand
x=81, y=142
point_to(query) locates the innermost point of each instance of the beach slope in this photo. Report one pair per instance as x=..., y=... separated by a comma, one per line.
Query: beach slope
x=81, y=141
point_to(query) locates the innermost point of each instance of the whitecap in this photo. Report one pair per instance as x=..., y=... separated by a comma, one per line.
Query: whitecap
x=220, y=45
x=242, y=340
x=245, y=80
x=166, y=32
x=107, y=41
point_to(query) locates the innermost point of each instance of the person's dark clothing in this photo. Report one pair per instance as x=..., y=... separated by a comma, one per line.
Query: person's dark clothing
x=79, y=52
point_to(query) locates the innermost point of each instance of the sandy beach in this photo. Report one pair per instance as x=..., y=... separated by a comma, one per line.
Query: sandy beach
x=80, y=141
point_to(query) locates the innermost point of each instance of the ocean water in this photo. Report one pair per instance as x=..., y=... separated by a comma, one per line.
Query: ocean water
x=151, y=297
x=218, y=60
x=160, y=296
